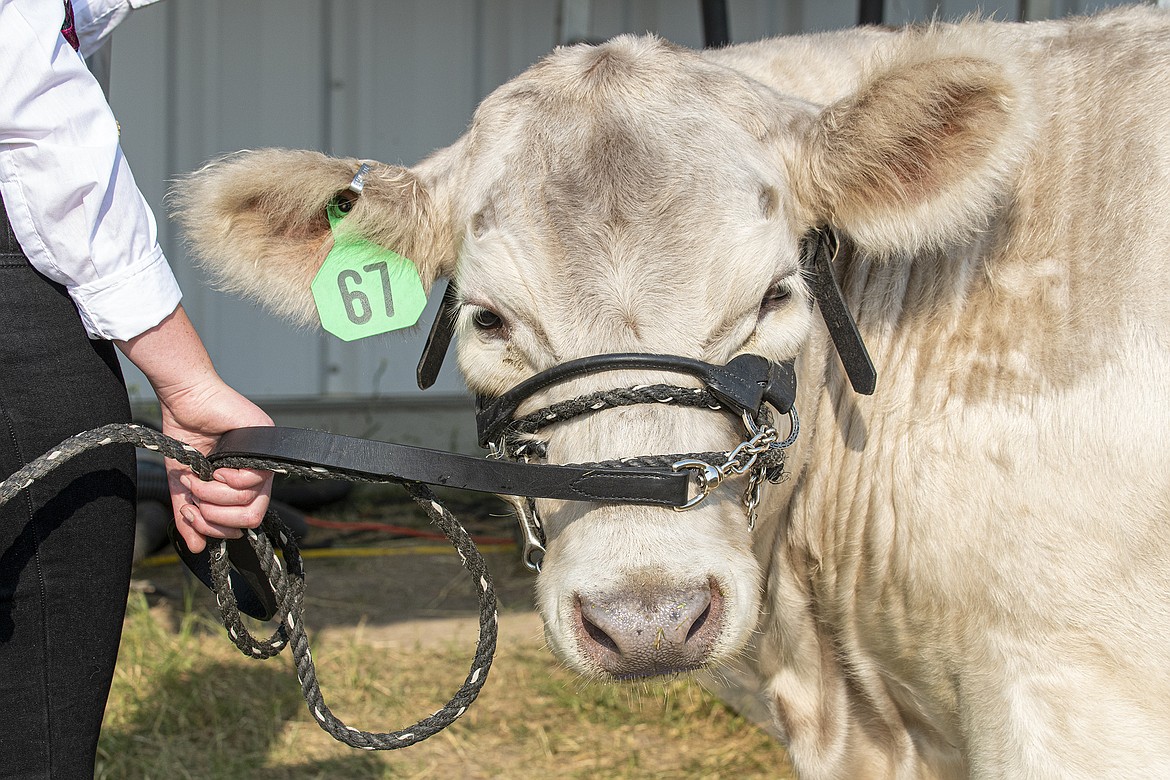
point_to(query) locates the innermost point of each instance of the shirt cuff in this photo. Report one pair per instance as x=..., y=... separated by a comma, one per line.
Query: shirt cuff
x=131, y=303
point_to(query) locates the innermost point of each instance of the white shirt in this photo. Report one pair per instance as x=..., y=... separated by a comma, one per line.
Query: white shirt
x=67, y=188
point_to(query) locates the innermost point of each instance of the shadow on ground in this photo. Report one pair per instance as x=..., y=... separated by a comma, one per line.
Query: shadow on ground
x=192, y=719
x=375, y=577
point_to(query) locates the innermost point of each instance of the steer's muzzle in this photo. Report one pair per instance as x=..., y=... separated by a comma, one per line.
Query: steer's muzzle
x=621, y=597
x=650, y=631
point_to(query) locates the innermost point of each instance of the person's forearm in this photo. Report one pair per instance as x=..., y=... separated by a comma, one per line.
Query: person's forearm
x=197, y=408
x=172, y=357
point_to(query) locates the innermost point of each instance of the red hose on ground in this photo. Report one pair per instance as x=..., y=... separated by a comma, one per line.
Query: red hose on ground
x=396, y=529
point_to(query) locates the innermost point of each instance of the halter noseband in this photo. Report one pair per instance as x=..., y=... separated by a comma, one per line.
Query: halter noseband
x=745, y=387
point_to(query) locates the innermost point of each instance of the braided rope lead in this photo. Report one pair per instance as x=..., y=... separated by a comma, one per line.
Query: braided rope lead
x=516, y=445
x=288, y=579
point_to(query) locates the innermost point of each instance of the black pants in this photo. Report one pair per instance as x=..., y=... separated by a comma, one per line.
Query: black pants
x=66, y=542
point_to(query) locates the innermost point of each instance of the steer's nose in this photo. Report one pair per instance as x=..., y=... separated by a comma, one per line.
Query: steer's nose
x=643, y=632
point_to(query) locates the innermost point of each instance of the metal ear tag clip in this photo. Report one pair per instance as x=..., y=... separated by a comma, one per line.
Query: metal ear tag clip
x=344, y=200
x=358, y=183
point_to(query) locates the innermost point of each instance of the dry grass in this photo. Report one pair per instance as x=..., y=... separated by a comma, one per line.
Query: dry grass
x=186, y=704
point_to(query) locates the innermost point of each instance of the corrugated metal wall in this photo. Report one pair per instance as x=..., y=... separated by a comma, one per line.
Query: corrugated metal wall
x=193, y=79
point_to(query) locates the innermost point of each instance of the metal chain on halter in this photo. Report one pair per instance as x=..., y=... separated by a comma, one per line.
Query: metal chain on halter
x=287, y=579
x=761, y=455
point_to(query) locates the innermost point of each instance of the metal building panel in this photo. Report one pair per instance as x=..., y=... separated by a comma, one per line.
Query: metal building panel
x=261, y=66
x=513, y=35
x=223, y=75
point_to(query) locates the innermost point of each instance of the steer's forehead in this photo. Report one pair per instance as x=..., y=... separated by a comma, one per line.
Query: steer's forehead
x=614, y=123
x=610, y=176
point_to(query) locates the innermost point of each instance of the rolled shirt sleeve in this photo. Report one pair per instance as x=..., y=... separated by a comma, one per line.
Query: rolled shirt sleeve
x=69, y=193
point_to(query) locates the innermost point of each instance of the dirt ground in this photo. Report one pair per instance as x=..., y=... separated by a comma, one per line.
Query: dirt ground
x=407, y=594
x=363, y=566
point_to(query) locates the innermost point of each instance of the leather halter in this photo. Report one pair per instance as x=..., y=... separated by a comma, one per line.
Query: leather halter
x=743, y=384
x=821, y=247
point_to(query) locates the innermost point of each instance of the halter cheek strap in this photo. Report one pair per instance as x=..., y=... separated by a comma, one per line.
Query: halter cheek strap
x=439, y=338
x=821, y=249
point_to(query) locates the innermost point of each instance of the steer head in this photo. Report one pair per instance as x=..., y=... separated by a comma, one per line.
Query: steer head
x=634, y=197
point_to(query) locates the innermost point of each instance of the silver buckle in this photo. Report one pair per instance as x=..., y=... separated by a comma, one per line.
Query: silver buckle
x=708, y=478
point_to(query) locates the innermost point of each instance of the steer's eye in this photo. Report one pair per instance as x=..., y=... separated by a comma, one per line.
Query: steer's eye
x=777, y=296
x=487, y=321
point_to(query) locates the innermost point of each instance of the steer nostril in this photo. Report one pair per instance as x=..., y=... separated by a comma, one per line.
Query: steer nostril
x=641, y=631
x=599, y=636
x=700, y=621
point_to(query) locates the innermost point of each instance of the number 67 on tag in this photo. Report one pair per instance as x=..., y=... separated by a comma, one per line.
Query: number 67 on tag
x=363, y=289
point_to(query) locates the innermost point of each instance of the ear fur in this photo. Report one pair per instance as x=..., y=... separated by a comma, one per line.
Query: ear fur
x=920, y=155
x=256, y=221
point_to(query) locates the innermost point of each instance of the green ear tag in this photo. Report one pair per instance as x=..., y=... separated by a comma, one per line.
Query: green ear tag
x=363, y=289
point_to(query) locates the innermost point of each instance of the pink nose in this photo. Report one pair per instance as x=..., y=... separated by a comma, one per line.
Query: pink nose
x=644, y=632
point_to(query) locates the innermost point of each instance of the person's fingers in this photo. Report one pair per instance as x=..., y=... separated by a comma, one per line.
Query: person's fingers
x=246, y=515
x=218, y=493
x=193, y=539
x=180, y=497
x=195, y=518
x=242, y=479
x=196, y=528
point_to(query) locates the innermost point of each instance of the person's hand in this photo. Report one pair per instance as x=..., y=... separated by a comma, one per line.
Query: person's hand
x=236, y=498
x=197, y=408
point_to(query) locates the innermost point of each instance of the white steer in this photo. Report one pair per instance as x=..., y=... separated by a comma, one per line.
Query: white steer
x=968, y=572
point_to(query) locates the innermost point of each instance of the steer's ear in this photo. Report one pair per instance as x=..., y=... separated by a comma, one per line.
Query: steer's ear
x=256, y=221
x=918, y=156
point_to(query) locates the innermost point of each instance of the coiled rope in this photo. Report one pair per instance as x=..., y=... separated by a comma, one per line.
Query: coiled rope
x=288, y=579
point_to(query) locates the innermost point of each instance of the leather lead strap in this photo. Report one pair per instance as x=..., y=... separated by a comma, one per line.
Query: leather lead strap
x=385, y=461
x=842, y=327
x=249, y=584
